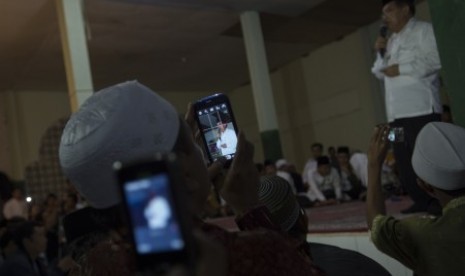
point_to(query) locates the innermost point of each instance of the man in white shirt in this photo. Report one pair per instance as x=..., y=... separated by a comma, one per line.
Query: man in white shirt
x=282, y=167
x=227, y=140
x=311, y=165
x=325, y=183
x=16, y=206
x=408, y=63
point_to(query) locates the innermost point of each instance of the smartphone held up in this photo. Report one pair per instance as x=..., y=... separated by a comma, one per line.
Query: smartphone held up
x=217, y=126
x=160, y=229
x=396, y=135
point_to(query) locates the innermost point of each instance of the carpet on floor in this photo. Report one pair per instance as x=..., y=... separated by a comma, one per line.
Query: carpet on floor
x=344, y=217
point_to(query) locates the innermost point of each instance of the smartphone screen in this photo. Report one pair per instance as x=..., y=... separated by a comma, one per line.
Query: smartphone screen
x=154, y=205
x=154, y=222
x=217, y=125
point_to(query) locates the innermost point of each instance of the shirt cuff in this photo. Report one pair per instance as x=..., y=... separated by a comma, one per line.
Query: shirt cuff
x=376, y=226
x=405, y=69
x=258, y=217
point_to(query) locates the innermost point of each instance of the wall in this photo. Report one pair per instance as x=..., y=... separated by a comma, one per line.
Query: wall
x=5, y=164
x=340, y=93
x=27, y=115
x=328, y=96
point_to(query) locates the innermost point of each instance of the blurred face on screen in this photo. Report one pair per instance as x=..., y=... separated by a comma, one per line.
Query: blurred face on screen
x=222, y=126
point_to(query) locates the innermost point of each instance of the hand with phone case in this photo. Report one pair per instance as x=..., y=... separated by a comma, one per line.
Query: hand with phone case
x=217, y=126
x=240, y=188
x=160, y=227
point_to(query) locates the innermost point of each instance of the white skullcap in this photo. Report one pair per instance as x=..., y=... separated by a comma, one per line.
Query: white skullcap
x=439, y=156
x=124, y=123
x=276, y=194
x=281, y=162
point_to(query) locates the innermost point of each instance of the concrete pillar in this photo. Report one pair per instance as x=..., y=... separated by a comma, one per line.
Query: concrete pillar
x=75, y=53
x=261, y=84
x=449, y=26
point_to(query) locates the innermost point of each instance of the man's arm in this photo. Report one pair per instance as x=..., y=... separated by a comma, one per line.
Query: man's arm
x=376, y=156
x=218, y=143
x=314, y=188
x=379, y=65
x=337, y=184
x=232, y=140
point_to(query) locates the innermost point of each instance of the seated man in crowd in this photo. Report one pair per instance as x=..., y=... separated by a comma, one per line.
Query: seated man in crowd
x=285, y=211
x=350, y=184
x=31, y=241
x=428, y=245
x=129, y=122
x=282, y=167
x=325, y=183
x=311, y=164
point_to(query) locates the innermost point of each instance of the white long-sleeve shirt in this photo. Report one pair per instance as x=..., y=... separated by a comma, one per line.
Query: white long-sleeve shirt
x=15, y=208
x=359, y=162
x=309, y=168
x=319, y=183
x=415, y=92
x=287, y=176
x=229, y=139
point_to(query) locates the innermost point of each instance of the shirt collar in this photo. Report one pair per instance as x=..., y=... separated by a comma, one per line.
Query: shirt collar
x=407, y=26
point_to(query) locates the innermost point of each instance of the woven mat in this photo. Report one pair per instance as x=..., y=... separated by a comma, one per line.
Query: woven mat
x=345, y=217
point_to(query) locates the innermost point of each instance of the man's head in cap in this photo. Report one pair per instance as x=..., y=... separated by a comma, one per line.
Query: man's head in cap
x=397, y=13
x=439, y=159
x=323, y=165
x=126, y=122
x=270, y=167
x=282, y=165
x=276, y=194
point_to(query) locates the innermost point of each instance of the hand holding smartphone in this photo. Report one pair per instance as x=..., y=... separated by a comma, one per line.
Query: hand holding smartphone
x=159, y=225
x=217, y=126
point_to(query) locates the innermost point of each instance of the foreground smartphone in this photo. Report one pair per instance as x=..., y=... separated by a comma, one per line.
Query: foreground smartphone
x=218, y=127
x=160, y=227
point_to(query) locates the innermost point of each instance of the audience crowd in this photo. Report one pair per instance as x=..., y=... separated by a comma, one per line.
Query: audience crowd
x=85, y=232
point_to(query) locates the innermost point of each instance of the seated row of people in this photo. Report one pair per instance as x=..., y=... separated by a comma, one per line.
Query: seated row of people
x=129, y=122
x=324, y=180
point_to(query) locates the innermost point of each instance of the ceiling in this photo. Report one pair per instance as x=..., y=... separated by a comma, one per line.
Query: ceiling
x=169, y=45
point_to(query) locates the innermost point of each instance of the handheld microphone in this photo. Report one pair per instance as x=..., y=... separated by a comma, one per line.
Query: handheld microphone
x=383, y=33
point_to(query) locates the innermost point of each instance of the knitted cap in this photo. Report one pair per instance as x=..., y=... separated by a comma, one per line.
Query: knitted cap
x=125, y=122
x=276, y=194
x=439, y=156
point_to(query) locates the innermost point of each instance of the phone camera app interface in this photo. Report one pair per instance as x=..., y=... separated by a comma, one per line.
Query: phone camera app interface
x=218, y=130
x=155, y=224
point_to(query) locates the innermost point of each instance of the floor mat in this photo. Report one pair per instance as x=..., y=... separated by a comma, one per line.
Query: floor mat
x=345, y=217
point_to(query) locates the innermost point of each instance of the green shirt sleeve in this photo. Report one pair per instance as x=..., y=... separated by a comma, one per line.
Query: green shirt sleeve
x=392, y=237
